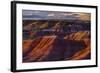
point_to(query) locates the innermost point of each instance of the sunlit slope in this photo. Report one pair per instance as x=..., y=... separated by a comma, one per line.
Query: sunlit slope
x=41, y=50
x=29, y=44
x=81, y=36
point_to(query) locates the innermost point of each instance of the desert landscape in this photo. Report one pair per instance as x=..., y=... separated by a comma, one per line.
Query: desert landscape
x=56, y=39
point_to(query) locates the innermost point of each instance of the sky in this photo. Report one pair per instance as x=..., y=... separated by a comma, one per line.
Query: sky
x=47, y=15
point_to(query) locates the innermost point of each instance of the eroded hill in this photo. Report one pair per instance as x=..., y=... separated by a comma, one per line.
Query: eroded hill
x=75, y=46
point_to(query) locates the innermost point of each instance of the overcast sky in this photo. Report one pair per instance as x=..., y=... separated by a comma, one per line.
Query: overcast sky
x=45, y=15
